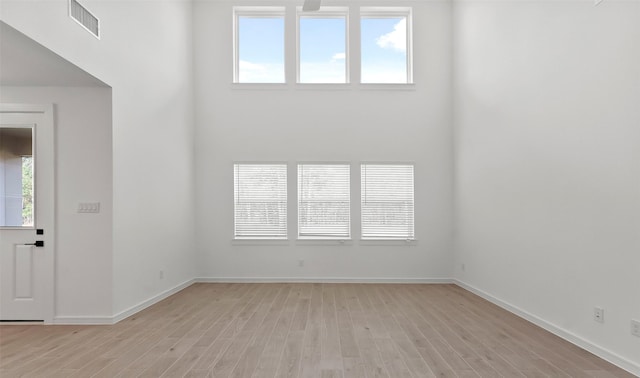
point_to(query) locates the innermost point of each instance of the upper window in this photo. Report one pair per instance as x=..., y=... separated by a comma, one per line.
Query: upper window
x=322, y=46
x=387, y=201
x=385, y=35
x=324, y=201
x=259, y=45
x=260, y=201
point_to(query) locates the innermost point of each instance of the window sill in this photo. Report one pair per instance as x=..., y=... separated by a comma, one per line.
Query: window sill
x=260, y=242
x=392, y=87
x=388, y=242
x=323, y=86
x=324, y=242
x=260, y=86
x=387, y=87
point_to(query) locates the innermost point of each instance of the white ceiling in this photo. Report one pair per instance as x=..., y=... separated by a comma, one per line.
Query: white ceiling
x=24, y=62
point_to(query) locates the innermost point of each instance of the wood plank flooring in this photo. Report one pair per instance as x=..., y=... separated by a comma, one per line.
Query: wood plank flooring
x=303, y=330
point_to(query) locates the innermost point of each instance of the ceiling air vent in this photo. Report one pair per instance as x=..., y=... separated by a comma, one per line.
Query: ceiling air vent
x=84, y=18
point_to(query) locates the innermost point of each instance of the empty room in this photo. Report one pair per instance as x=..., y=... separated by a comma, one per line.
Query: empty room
x=320, y=188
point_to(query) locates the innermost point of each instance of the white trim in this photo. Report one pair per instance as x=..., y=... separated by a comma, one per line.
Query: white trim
x=324, y=241
x=150, y=302
x=323, y=86
x=387, y=86
x=108, y=320
x=260, y=242
x=323, y=280
x=384, y=11
x=352, y=86
x=569, y=336
x=389, y=242
x=83, y=320
x=257, y=86
x=47, y=121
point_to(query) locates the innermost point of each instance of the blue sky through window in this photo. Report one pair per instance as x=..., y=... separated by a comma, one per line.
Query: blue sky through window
x=322, y=49
x=384, y=50
x=261, y=49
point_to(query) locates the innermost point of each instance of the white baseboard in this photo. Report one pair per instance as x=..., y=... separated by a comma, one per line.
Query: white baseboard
x=82, y=320
x=106, y=320
x=323, y=280
x=615, y=359
x=102, y=320
x=150, y=302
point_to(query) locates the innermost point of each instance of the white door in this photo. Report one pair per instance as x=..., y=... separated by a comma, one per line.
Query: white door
x=26, y=213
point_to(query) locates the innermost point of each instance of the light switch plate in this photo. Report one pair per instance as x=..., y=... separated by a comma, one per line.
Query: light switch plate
x=89, y=207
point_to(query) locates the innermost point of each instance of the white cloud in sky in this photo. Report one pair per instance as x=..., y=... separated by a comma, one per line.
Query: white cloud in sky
x=395, y=39
x=253, y=67
x=260, y=73
x=322, y=72
x=338, y=56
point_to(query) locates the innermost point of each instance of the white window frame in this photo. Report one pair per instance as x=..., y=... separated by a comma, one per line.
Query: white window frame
x=325, y=12
x=257, y=12
x=340, y=239
x=391, y=12
x=262, y=238
x=386, y=239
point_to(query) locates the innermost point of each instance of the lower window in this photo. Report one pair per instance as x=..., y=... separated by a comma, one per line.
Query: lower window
x=387, y=201
x=324, y=201
x=260, y=201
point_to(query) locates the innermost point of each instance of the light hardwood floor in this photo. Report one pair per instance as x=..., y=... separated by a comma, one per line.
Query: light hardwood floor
x=302, y=330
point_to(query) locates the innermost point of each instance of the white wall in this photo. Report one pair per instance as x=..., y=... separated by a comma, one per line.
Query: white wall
x=144, y=54
x=546, y=170
x=547, y=101
x=83, y=276
x=317, y=125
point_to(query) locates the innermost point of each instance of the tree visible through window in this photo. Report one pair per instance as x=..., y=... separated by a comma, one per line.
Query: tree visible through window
x=387, y=201
x=324, y=201
x=27, y=191
x=260, y=201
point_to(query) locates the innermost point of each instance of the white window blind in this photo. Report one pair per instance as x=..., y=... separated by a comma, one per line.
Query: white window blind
x=323, y=201
x=387, y=201
x=260, y=201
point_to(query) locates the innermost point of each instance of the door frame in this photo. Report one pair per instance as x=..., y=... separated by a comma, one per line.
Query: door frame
x=45, y=112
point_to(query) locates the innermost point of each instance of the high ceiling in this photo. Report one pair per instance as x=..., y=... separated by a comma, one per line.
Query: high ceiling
x=24, y=62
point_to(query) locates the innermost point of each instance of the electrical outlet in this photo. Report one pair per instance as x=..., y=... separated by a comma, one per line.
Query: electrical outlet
x=635, y=327
x=161, y=275
x=463, y=267
x=598, y=314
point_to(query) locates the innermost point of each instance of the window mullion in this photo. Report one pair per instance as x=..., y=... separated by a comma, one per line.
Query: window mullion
x=353, y=46
x=291, y=45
